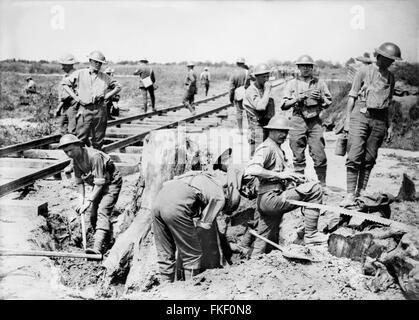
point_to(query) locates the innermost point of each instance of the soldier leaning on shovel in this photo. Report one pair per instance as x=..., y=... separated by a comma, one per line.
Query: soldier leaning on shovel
x=67, y=107
x=270, y=167
x=91, y=88
x=308, y=96
x=368, y=118
x=195, y=194
x=95, y=168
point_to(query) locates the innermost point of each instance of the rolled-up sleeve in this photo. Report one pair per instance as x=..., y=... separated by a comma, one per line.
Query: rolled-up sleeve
x=287, y=94
x=98, y=170
x=214, y=207
x=260, y=157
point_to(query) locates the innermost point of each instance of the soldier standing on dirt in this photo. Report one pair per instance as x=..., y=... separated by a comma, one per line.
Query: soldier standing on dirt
x=147, y=80
x=308, y=96
x=91, y=88
x=67, y=107
x=270, y=166
x=239, y=81
x=205, y=79
x=112, y=104
x=95, y=168
x=195, y=194
x=259, y=106
x=368, y=118
x=191, y=88
x=30, y=86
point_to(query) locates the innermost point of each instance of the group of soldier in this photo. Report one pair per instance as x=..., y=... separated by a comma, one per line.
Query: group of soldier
x=194, y=199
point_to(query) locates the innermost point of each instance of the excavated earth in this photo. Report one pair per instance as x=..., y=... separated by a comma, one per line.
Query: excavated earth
x=269, y=276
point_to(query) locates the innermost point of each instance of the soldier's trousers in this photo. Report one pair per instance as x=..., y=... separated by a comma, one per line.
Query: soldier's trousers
x=206, y=85
x=92, y=121
x=366, y=135
x=307, y=131
x=189, y=98
x=272, y=205
x=256, y=133
x=173, y=227
x=101, y=209
x=68, y=120
x=150, y=91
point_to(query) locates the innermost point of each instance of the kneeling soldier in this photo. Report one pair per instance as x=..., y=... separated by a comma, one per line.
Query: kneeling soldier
x=95, y=168
x=195, y=194
x=270, y=166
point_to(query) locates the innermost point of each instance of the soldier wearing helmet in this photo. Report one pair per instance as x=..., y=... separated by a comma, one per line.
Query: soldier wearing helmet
x=279, y=183
x=191, y=88
x=91, y=88
x=67, y=107
x=259, y=105
x=308, y=96
x=368, y=119
x=147, y=84
x=205, y=79
x=95, y=168
x=239, y=81
x=195, y=194
x=30, y=86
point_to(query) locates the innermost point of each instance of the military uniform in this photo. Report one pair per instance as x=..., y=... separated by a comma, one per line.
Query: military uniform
x=274, y=193
x=368, y=122
x=239, y=78
x=92, y=115
x=69, y=109
x=97, y=168
x=191, y=90
x=205, y=79
x=257, y=119
x=307, y=125
x=145, y=71
x=194, y=195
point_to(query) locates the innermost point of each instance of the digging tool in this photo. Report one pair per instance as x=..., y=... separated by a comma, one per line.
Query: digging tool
x=10, y=252
x=83, y=230
x=352, y=213
x=286, y=252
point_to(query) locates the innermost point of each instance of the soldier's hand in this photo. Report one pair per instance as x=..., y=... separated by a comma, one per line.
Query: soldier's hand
x=390, y=134
x=268, y=85
x=315, y=94
x=81, y=208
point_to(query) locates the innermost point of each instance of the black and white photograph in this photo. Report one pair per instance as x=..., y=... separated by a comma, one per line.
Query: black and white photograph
x=234, y=151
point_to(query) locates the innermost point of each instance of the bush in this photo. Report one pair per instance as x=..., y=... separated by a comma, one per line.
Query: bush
x=408, y=72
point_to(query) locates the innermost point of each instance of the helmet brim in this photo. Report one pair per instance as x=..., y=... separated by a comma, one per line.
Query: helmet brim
x=101, y=61
x=68, y=63
x=276, y=128
x=68, y=143
x=384, y=54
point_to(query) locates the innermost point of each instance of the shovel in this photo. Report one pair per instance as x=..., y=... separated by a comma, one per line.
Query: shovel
x=286, y=252
x=83, y=230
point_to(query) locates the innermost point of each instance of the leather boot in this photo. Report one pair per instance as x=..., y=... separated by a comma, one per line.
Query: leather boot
x=312, y=236
x=100, y=236
x=364, y=175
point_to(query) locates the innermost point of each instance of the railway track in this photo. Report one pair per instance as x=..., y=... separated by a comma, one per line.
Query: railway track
x=22, y=164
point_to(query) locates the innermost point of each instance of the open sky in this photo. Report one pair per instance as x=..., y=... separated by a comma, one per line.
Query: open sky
x=173, y=31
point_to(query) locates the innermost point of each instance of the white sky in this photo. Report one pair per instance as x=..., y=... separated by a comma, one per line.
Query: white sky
x=167, y=31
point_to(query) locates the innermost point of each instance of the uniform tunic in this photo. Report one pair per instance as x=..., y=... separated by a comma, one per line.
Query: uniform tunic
x=96, y=168
x=307, y=126
x=368, y=126
x=193, y=195
x=92, y=116
x=273, y=193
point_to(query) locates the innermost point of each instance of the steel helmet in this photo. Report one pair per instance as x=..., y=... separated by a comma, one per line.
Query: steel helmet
x=190, y=64
x=68, y=139
x=261, y=68
x=241, y=60
x=279, y=123
x=144, y=60
x=305, y=59
x=97, y=56
x=28, y=78
x=206, y=68
x=389, y=50
x=67, y=59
